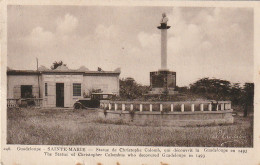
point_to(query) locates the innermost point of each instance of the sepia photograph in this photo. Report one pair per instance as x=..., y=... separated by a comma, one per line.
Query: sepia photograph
x=165, y=76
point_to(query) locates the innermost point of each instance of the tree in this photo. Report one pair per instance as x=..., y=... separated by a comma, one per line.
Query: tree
x=236, y=93
x=248, y=91
x=184, y=89
x=56, y=64
x=248, y=97
x=218, y=89
x=129, y=89
x=100, y=69
x=211, y=88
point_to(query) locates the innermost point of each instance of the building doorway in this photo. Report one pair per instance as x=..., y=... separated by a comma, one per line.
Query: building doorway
x=59, y=94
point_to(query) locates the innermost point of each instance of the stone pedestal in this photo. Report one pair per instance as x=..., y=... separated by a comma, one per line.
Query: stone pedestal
x=162, y=82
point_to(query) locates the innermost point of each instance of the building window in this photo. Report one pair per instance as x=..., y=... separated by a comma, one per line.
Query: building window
x=46, y=89
x=26, y=91
x=76, y=89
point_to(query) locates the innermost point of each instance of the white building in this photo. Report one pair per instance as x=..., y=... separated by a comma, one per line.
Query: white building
x=60, y=87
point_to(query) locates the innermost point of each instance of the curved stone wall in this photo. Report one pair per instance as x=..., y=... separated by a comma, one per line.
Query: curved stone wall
x=185, y=113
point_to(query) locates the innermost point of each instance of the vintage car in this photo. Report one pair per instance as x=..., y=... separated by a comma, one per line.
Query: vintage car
x=92, y=102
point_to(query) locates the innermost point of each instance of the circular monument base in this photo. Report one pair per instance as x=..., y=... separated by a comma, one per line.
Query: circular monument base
x=170, y=118
x=189, y=113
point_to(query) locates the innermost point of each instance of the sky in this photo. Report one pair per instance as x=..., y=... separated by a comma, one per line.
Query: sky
x=202, y=42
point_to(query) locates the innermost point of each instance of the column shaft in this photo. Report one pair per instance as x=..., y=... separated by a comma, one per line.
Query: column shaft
x=163, y=48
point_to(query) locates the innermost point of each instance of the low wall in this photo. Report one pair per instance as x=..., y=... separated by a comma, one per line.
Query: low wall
x=12, y=103
x=186, y=113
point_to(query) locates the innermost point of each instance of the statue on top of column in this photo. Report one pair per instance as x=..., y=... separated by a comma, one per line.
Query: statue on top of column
x=163, y=22
x=164, y=19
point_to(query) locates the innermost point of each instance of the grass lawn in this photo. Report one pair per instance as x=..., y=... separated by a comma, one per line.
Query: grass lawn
x=68, y=127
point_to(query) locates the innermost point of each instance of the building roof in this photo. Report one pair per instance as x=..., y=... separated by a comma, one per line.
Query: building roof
x=61, y=70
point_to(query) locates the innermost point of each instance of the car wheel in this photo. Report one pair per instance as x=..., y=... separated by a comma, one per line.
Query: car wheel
x=77, y=106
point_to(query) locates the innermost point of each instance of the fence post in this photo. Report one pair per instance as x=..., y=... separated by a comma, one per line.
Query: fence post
x=182, y=107
x=109, y=106
x=161, y=107
x=201, y=107
x=210, y=107
x=227, y=106
x=115, y=106
x=172, y=107
x=141, y=107
x=192, y=107
x=123, y=107
x=131, y=107
x=151, y=107
x=222, y=107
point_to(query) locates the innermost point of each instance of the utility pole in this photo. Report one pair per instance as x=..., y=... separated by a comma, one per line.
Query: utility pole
x=38, y=78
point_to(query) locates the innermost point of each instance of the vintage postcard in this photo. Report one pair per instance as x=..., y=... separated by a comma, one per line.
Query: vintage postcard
x=147, y=82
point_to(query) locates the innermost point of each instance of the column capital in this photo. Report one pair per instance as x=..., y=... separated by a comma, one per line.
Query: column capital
x=163, y=26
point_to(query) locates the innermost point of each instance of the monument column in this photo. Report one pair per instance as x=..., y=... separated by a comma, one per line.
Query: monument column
x=163, y=81
x=163, y=29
